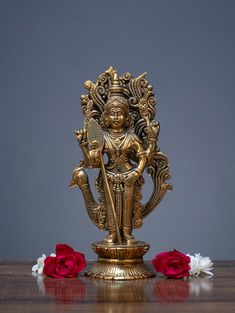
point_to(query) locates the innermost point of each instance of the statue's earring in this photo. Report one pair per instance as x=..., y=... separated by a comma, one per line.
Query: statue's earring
x=131, y=121
x=106, y=123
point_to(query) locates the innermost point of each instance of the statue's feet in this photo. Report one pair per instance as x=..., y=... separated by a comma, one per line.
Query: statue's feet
x=130, y=240
x=109, y=239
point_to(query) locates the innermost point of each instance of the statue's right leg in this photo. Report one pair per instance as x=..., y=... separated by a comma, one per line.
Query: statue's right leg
x=111, y=237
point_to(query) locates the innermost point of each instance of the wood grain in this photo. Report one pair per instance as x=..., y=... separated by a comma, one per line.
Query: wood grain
x=21, y=292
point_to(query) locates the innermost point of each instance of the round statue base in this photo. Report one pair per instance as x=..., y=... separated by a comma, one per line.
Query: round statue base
x=120, y=262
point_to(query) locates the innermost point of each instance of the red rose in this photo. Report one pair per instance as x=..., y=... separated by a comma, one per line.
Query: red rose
x=66, y=263
x=172, y=264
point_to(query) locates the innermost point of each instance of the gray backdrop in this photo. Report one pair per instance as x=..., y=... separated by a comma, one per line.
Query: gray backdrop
x=48, y=49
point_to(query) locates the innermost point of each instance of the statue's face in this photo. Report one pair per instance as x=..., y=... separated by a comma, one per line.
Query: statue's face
x=117, y=118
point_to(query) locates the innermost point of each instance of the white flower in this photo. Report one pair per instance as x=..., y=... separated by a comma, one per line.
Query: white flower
x=38, y=268
x=199, y=264
x=40, y=264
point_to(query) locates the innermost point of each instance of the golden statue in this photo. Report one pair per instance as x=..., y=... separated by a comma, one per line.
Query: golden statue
x=119, y=123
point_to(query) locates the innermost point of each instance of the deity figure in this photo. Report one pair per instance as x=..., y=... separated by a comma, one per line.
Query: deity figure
x=119, y=113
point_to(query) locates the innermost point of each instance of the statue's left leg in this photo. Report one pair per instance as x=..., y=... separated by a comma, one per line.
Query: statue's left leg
x=128, y=201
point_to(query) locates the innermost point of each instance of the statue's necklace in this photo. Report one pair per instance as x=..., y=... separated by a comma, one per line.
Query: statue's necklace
x=118, y=140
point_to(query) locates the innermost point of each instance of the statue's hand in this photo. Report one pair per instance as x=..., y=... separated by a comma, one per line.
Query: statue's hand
x=81, y=135
x=132, y=178
x=153, y=130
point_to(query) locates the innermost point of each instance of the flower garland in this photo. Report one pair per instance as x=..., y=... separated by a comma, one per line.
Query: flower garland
x=175, y=264
x=67, y=263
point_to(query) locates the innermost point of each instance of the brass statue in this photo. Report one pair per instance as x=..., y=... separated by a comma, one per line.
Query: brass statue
x=119, y=123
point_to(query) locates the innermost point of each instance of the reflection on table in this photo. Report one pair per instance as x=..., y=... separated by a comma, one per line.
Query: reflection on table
x=73, y=290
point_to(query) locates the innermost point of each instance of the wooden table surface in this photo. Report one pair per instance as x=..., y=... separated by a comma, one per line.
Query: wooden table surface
x=21, y=292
